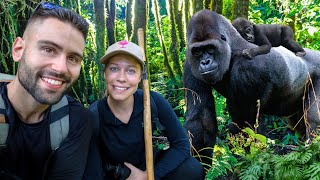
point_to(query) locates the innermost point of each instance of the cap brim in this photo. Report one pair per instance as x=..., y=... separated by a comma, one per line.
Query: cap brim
x=105, y=58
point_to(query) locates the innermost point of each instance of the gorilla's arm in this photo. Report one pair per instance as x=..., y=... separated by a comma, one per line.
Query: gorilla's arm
x=262, y=41
x=200, y=116
x=253, y=34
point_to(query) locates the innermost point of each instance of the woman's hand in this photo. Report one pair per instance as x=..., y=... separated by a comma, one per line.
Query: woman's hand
x=136, y=174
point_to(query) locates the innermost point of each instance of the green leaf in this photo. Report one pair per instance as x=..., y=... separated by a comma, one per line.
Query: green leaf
x=249, y=131
x=261, y=138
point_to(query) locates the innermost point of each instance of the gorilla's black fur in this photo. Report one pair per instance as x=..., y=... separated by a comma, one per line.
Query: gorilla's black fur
x=279, y=79
x=266, y=36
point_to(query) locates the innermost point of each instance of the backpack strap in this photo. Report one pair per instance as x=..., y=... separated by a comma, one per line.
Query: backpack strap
x=59, y=127
x=154, y=115
x=6, y=77
x=4, y=127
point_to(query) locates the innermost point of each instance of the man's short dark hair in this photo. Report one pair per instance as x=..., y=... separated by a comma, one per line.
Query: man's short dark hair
x=46, y=10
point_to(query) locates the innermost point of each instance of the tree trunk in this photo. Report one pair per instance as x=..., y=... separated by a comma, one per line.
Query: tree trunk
x=197, y=5
x=187, y=15
x=207, y=3
x=99, y=11
x=217, y=6
x=111, y=11
x=140, y=9
x=155, y=9
x=174, y=46
x=78, y=9
x=178, y=11
x=80, y=87
x=139, y=18
x=240, y=8
x=129, y=19
x=293, y=17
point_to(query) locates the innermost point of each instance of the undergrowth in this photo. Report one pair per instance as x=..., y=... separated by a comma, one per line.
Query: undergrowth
x=252, y=156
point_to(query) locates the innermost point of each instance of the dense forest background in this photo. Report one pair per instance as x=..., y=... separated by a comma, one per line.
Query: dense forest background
x=165, y=23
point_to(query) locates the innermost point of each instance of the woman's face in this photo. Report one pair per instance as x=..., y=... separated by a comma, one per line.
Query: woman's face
x=122, y=75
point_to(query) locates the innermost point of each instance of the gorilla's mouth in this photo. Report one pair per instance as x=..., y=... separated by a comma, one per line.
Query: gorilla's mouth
x=211, y=76
x=207, y=72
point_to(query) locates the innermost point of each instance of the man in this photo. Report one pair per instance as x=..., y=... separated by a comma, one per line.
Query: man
x=49, y=55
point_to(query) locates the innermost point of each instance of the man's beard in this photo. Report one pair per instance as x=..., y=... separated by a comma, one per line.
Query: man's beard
x=28, y=79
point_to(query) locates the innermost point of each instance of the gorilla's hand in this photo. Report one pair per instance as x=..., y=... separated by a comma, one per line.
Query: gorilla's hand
x=248, y=53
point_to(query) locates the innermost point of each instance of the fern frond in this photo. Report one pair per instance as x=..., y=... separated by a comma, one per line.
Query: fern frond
x=289, y=172
x=313, y=171
x=305, y=157
x=246, y=175
x=255, y=169
x=293, y=156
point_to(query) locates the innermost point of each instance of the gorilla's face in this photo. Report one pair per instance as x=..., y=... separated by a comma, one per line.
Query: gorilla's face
x=208, y=51
x=249, y=34
x=245, y=28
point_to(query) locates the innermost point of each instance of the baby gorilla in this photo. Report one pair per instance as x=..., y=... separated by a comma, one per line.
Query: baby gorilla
x=266, y=36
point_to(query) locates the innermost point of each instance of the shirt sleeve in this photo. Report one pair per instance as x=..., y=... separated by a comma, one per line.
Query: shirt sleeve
x=69, y=160
x=177, y=136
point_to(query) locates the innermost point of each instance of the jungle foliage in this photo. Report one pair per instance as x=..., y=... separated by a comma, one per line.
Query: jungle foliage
x=249, y=156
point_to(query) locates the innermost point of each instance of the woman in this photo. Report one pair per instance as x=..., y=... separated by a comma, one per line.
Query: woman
x=119, y=124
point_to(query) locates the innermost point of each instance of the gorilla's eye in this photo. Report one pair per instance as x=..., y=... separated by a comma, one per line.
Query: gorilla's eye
x=248, y=30
x=210, y=50
x=223, y=38
x=196, y=51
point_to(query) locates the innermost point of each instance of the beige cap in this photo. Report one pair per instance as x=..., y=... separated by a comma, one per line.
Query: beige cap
x=123, y=47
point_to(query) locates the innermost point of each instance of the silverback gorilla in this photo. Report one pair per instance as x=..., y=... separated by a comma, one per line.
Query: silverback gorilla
x=266, y=36
x=285, y=84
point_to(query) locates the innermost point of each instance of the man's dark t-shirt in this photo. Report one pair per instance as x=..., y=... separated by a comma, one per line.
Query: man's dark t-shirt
x=28, y=153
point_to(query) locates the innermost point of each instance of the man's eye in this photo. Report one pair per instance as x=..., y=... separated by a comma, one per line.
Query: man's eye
x=73, y=60
x=48, y=50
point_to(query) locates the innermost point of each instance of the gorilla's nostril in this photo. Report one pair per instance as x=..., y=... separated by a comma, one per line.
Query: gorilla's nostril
x=206, y=62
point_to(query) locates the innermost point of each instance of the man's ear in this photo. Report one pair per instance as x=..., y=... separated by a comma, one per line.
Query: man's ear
x=18, y=49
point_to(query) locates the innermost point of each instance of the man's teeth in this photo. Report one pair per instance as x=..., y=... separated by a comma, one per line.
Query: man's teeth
x=51, y=81
x=120, y=88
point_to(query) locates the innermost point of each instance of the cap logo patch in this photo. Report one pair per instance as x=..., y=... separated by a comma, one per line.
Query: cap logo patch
x=123, y=43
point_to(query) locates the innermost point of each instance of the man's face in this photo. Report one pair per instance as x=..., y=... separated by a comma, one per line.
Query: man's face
x=50, y=59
